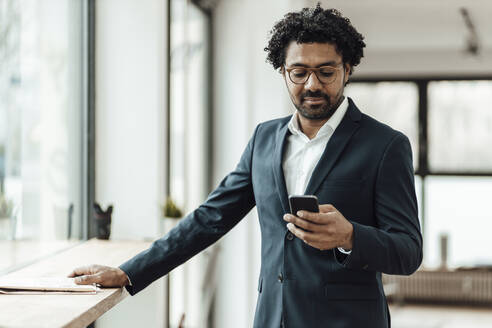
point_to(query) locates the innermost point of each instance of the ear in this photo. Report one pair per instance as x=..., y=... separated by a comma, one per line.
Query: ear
x=282, y=71
x=347, y=70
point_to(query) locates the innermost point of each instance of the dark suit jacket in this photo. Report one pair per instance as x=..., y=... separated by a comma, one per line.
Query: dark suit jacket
x=365, y=172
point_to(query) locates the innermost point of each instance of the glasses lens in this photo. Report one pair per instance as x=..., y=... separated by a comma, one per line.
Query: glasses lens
x=298, y=75
x=327, y=74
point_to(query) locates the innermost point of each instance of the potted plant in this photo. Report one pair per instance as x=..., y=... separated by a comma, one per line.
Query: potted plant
x=7, y=220
x=170, y=215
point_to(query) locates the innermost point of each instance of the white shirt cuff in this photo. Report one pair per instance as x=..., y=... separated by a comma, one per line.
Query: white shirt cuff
x=344, y=251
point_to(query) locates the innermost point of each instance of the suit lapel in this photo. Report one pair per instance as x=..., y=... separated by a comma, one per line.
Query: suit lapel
x=278, y=170
x=334, y=147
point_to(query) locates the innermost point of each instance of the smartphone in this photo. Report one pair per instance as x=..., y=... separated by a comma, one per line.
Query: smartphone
x=303, y=202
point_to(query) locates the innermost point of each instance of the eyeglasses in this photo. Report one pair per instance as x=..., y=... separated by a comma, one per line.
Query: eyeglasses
x=325, y=74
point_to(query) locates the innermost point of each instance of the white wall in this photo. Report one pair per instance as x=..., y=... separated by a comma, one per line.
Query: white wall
x=130, y=100
x=130, y=57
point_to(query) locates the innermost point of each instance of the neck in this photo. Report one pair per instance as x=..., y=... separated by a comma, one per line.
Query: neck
x=311, y=127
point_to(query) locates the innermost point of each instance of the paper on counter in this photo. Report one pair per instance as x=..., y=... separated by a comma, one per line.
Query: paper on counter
x=43, y=285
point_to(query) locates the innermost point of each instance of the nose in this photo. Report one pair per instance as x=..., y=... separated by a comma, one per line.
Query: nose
x=312, y=82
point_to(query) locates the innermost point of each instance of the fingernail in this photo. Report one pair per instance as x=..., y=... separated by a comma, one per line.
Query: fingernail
x=286, y=217
x=300, y=214
x=289, y=226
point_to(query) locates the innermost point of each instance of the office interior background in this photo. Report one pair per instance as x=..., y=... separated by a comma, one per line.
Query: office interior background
x=128, y=102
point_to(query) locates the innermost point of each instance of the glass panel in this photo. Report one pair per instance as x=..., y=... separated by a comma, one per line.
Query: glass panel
x=459, y=208
x=197, y=107
x=393, y=103
x=460, y=125
x=189, y=88
x=189, y=104
x=178, y=101
x=40, y=112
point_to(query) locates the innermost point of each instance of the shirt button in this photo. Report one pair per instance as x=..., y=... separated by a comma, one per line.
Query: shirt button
x=280, y=278
x=290, y=236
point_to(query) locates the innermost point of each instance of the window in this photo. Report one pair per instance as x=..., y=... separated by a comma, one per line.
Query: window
x=448, y=123
x=457, y=207
x=189, y=107
x=189, y=121
x=41, y=48
x=460, y=125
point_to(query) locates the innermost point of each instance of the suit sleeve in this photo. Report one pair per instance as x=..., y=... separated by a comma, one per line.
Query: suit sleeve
x=395, y=245
x=222, y=210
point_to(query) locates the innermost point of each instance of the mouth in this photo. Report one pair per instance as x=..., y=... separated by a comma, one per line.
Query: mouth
x=314, y=100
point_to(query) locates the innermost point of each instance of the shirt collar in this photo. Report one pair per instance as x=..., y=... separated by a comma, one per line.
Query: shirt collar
x=329, y=126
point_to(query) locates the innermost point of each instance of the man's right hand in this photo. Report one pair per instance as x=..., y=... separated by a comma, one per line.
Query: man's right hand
x=99, y=274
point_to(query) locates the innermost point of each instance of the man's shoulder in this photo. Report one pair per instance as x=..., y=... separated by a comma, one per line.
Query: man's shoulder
x=377, y=128
x=372, y=123
x=273, y=125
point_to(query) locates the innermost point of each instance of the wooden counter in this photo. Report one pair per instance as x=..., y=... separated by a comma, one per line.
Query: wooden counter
x=67, y=310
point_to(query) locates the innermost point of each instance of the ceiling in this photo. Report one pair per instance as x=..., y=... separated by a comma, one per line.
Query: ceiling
x=396, y=25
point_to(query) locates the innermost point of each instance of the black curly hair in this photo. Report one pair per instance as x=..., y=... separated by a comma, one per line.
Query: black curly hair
x=315, y=25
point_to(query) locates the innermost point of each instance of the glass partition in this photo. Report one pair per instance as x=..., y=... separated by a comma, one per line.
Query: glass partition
x=190, y=77
x=40, y=122
x=457, y=209
x=460, y=125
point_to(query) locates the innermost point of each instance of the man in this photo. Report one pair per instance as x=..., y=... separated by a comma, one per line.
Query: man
x=318, y=269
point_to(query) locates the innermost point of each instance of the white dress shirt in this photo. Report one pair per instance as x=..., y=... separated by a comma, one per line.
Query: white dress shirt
x=302, y=154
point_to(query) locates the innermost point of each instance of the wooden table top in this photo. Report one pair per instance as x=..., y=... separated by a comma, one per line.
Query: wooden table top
x=68, y=310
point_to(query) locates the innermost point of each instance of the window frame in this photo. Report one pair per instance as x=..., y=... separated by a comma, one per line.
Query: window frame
x=89, y=229
x=86, y=229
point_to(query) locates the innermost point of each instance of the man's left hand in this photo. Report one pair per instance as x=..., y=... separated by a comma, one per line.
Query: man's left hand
x=324, y=230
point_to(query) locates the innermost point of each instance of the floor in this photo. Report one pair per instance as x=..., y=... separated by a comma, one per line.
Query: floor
x=429, y=316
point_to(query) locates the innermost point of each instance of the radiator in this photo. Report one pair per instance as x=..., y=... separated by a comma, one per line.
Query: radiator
x=460, y=287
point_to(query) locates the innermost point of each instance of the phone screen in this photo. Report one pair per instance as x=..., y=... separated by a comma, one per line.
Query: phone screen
x=303, y=202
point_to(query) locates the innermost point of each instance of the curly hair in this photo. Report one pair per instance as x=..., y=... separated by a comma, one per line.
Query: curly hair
x=315, y=25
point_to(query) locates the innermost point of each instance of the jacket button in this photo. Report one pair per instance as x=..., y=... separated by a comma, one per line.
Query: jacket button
x=280, y=277
x=290, y=236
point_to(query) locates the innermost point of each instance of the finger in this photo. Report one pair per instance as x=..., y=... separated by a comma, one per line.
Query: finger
x=317, y=218
x=326, y=208
x=301, y=234
x=79, y=271
x=306, y=225
x=88, y=279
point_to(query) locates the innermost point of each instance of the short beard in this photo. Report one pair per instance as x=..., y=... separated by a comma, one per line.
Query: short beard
x=318, y=112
